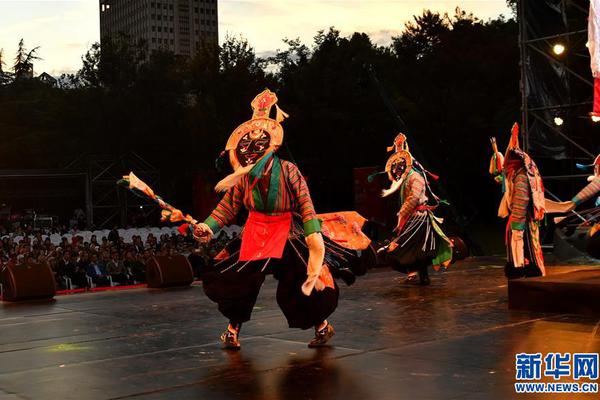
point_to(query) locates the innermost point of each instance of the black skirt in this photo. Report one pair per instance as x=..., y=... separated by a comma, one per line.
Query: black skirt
x=417, y=245
x=234, y=285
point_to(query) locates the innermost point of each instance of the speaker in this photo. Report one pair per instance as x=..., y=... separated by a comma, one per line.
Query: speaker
x=166, y=271
x=28, y=281
x=460, y=251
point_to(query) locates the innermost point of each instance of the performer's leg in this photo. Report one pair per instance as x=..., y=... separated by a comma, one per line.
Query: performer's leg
x=235, y=291
x=323, y=333
x=424, y=274
x=301, y=311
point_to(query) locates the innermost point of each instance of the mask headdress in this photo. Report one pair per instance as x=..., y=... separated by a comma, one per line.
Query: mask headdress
x=402, y=157
x=261, y=135
x=517, y=158
x=399, y=144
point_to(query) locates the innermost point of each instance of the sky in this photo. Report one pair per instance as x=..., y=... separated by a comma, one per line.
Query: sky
x=65, y=29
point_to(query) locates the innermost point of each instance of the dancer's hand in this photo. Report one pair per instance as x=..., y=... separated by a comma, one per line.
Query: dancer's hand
x=518, y=248
x=316, y=255
x=202, y=233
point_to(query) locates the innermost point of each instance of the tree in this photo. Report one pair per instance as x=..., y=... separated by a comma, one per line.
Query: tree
x=113, y=64
x=23, y=66
x=4, y=76
x=512, y=4
x=421, y=36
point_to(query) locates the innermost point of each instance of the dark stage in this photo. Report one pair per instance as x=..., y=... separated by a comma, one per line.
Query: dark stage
x=456, y=339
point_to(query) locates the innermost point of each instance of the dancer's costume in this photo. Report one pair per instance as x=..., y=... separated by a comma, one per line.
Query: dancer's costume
x=524, y=204
x=419, y=241
x=282, y=234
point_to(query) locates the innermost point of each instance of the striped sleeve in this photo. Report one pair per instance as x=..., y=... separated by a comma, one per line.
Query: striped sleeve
x=519, y=202
x=416, y=191
x=302, y=199
x=227, y=208
x=588, y=192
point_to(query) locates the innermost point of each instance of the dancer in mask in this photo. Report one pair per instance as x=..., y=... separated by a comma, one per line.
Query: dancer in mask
x=282, y=235
x=523, y=203
x=419, y=242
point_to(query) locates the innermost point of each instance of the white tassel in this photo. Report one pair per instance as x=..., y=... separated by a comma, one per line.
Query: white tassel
x=232, y=179
x=393, y=189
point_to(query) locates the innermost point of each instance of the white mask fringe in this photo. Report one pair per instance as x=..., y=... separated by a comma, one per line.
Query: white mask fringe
x=393, y=189
x=232, y=179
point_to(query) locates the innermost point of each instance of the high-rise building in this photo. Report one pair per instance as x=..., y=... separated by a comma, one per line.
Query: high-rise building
x=176, y=25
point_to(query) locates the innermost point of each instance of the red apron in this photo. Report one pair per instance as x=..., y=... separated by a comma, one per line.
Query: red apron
x=265, y=236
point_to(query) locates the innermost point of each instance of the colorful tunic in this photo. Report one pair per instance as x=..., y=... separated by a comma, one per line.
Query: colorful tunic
x=522, y=221
x=284, y=191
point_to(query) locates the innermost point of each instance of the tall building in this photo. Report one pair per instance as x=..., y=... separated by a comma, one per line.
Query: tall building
x=176, y=25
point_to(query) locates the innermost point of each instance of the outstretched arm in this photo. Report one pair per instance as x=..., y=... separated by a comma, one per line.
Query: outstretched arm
x=222, y=215
x=587, y=192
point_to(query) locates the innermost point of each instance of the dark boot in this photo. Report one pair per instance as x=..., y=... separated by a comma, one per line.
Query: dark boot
x=424, y=276
x=511, y=272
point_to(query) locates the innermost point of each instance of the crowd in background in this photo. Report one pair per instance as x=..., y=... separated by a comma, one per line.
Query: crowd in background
x=80, y=262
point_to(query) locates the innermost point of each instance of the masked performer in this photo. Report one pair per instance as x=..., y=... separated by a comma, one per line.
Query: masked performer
x=524, y=204
x=420, y=241
x=282, y=234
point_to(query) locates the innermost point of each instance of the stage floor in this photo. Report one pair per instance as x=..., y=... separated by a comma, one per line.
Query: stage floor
x=453, y=340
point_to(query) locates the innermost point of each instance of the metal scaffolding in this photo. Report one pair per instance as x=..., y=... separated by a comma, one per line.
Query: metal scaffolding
x=563, y=87
x=107, y=205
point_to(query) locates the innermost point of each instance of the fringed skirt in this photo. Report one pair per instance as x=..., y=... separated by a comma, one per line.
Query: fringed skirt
x=234, y=285
x=420, y=245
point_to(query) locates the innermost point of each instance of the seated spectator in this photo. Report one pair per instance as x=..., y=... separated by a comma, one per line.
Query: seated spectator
x=113, y=236
x=116, y=269
x=136, y=268
x=97, y=272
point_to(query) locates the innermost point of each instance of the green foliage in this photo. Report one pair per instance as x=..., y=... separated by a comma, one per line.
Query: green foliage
x=452, y=79
x=23, y=66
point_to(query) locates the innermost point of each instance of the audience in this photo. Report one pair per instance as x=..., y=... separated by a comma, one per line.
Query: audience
x=100, y=261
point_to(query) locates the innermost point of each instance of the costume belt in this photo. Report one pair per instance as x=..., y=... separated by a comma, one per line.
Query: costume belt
x=425, y=207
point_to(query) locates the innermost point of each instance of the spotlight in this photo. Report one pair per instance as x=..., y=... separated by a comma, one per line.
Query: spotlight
x=558, y=121
x=558, y=49
x=595, y=118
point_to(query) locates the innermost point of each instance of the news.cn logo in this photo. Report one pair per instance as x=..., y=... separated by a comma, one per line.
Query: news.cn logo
x=531, y=367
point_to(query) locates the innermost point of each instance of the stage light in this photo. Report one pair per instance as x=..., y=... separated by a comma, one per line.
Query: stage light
x=595, y=118
x=558, y=49
x=558, y=121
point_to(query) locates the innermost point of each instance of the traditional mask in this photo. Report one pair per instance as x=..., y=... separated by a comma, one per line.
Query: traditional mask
x=250, y=141
x=398, y=169
x=399, y=165
x=252, y=146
